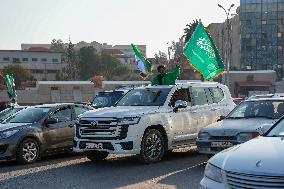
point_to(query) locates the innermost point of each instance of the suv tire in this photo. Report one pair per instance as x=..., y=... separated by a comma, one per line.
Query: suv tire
x=152, y=147
x=97, y=155
x=28, y=151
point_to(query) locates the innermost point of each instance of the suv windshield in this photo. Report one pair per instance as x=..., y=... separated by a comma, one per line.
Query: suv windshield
x=145, y=97
x=106, y=99
x=29, y=115
x=270, y=109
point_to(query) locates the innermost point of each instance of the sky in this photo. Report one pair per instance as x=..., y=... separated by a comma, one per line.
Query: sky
x=117, y=22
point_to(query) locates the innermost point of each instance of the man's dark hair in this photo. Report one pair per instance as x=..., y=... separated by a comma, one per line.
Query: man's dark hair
x=161, y=66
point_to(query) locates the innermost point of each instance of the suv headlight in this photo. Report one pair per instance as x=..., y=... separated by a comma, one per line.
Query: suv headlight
x=129, y=120
x=203, y=136
x=214, y=173
x=243, y=137
x=6, y=134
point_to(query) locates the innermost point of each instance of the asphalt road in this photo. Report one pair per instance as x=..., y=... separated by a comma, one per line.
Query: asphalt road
x=180, y=169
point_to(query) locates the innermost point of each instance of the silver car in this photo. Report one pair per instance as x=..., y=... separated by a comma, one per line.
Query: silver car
x=248, y=120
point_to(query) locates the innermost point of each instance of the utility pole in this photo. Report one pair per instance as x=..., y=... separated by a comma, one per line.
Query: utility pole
x=228, y=46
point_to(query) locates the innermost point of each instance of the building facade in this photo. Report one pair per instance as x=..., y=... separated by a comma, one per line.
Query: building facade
x=123, y=53
x=218, y=32
x=42, y=65
x=262, y=34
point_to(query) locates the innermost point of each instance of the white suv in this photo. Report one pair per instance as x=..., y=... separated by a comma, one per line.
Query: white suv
x=150, y=121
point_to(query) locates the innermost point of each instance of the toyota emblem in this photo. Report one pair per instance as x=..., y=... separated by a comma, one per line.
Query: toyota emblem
x=94, y=123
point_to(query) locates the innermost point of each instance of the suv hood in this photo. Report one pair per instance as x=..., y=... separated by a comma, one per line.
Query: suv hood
x=122, y=111
x=6, y=126
x=244, y=158
x=231, y=127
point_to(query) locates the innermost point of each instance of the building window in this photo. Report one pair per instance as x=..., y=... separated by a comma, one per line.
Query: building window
x=263, y=22
x=51, y=71
x=44, y=60
x=248, y=67
x=279, y=34
x=263, y=47
x=37, y=71
x=264, y=35
x=6, y=59
x=25, y=59
x=16, y=60
x=54, y=60
x=280, y=21
x=280, y=50
x=247, y=36
x=34, y=59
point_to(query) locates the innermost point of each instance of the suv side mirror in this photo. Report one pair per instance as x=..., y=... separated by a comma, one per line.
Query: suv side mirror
x=51, y=121
x=179, y=104
x=221, y=118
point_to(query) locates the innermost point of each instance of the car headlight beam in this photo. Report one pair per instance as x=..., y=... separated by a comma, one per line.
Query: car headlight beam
x=6, y=134
x=129, y=120
x=214, y=173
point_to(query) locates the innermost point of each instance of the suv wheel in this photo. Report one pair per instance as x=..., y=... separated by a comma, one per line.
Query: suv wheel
x=28, y=151
x=97, y=155
x=152, y=147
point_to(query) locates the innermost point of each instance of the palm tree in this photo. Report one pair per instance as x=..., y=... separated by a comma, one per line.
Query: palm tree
x=188, y=31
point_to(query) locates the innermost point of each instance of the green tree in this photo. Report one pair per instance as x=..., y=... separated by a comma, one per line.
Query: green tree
x=72, y=61
x=20, y=73
x=161, y=58
x=88, y=59
x=57, y=46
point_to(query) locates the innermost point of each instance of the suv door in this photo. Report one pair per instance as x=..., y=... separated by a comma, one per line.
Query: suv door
x=200, y=108
x=182, y=122
x=59, y=134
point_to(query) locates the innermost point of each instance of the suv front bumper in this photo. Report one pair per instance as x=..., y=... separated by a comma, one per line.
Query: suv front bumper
x=127, y=146
x=204, y=146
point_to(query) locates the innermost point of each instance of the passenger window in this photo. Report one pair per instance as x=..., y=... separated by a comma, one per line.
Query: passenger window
x=199, y=96
x=63, y=115
x=180, y=94
x=217, y=94
x=80, y=110
x=209, y=96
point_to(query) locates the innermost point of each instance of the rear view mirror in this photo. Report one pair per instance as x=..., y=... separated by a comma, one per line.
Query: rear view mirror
x=221, y=118
x=179, y=104
x=51, y=121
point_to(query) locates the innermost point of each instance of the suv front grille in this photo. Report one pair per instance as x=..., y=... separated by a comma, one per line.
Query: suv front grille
x=101, y=129
x=221, y=138
x=244, y=181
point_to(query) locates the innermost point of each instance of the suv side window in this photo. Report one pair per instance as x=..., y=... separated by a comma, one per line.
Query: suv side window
x=80, y=110
x=180, y=94
x=209, y=96
x=199, y=96
x=63, y=114
x=217, y=94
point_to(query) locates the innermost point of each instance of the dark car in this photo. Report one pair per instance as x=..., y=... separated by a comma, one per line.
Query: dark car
x=38, y=131
x=108, y=98
x=8, y=112
x=248, y=120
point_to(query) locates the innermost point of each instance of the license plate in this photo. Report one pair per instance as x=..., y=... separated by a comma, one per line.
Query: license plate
x=94, y=145
x=221, y=144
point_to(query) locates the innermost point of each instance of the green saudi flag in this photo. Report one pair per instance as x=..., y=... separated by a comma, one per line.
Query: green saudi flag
x=203, y=54
x=11, y=86
x=144, y=67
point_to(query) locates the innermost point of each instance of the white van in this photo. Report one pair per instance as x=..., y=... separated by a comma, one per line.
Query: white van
x=149, y=121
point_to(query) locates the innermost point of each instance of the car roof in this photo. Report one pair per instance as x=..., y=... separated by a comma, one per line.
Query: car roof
x=265, y=99
x=186, y=84
x=54, y=105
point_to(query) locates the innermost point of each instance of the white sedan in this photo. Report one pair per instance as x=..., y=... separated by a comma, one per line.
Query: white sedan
x=258, y=163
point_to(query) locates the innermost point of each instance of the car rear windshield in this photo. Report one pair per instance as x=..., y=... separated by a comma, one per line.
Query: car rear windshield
x=106, y=99
x=270, y=109
x=29, y=115
x=145, y=97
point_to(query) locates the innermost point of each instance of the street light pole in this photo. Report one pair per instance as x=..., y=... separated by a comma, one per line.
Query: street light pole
x=228, y=49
